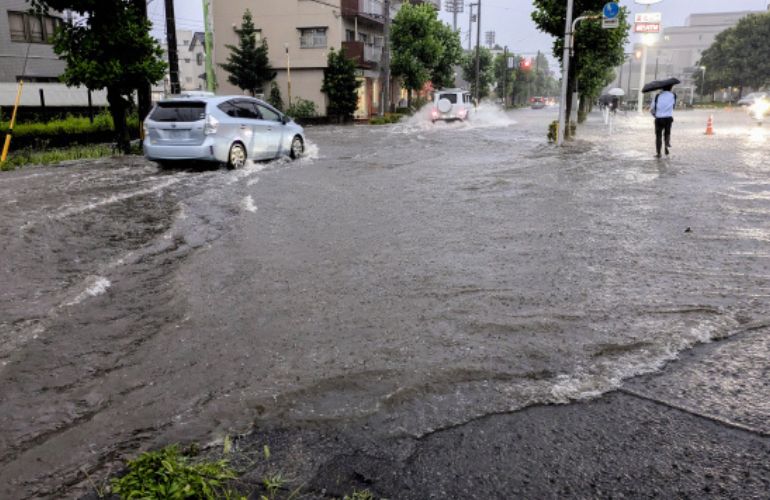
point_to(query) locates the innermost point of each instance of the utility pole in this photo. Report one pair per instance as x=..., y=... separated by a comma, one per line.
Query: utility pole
x=537, y=74
x=144, y=93
x=208, y=44
x=385, y=100
x=173, y=58
x=478, y=51
x=565, y=74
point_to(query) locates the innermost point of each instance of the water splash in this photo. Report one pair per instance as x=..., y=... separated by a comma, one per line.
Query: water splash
x=248, y=204
x=95, y=286
x=486, y=115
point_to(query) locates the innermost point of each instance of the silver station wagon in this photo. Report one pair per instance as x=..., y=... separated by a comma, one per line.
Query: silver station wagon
x=222, y=129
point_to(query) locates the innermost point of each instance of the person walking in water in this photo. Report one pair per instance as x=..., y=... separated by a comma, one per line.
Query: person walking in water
x=663, y=111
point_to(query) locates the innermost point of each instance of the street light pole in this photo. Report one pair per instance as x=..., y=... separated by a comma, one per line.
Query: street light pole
x=702, y=81
x=565, y=74
x=642, y=78
x=288, y=74
x=645, y=43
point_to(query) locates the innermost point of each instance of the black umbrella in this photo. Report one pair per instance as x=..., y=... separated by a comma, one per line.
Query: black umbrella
x=660, y=84
x=605, y=98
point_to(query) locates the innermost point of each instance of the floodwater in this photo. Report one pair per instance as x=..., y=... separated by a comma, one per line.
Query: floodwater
x=417, y=275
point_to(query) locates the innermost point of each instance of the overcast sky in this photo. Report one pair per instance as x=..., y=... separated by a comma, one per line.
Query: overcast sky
x=509, y=19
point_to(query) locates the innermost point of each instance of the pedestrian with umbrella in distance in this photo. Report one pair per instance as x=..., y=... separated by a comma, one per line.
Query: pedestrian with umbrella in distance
x=663, y=110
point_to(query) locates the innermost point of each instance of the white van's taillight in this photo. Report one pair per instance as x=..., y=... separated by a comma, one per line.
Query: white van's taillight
x=211, y=125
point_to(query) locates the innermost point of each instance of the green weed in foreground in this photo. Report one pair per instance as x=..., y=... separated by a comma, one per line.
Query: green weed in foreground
x=167, y=473
x=52, y=156
x=359, y=495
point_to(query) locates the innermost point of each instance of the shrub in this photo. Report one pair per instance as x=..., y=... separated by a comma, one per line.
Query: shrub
x=167, y=473
x=275, y=97
x=553, y=127
x=386, y=119
x=71, y=130
x=552, y=131
x=301, y=108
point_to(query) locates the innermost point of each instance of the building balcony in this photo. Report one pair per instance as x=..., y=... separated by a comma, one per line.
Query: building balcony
x=369, y=10
x=365, y=55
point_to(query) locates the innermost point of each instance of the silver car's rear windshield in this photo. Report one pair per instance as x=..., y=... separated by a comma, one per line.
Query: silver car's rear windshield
x=175, y=111
x=449, y=97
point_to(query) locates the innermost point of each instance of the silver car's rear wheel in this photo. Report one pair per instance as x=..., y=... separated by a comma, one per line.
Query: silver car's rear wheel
x=297, y=147
x=237, y=156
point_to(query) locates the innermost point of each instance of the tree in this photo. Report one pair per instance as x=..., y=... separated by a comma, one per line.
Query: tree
x=739, y=56
x=417, y=46
x=596, y=50
x=340, y=85
x=110, y=48
x=486, y=71
x=443, y=73
x=248, y=63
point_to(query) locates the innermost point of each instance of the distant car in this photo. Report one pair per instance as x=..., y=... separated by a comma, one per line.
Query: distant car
x=537, y=102
x=451, y=104
x=221, y=129
x=750, y=99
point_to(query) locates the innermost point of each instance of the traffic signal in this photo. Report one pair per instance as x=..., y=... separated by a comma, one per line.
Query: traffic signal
x=526, y=64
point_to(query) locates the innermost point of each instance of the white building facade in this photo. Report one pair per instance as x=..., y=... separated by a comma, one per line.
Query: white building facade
x=676, y=52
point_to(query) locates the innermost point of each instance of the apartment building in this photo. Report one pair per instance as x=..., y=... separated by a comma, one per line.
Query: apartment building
x=191, y=54
x=26, y=53
x=300, y=33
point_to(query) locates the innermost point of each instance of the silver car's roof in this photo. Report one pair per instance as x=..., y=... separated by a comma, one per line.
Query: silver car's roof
x=208, y=99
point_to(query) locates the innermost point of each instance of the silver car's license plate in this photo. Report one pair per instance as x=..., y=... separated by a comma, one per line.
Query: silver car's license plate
x=176, y=134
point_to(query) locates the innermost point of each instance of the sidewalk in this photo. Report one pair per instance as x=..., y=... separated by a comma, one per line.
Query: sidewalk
x=698, y=429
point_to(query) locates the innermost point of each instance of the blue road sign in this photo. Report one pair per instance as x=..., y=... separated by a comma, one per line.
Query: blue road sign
x=611, y=10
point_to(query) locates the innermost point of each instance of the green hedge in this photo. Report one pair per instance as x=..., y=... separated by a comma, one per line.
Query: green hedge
x=67, y=132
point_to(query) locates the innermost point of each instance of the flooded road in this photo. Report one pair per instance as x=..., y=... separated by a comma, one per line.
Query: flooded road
x=416, y=275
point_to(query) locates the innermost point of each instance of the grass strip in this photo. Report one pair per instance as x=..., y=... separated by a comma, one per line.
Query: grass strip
x=52, y=156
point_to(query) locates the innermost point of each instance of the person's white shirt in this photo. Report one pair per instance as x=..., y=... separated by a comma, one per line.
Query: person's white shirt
x=664, y=104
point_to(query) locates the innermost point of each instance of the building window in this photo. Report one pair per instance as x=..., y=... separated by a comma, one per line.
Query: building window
x=350, y=36
x=187, y=60
x=25, y=27
x=199, y=58
x=312, y=38
x=16, y=26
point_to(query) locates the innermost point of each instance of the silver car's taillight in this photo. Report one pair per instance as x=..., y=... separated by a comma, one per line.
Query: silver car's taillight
x=211, y=125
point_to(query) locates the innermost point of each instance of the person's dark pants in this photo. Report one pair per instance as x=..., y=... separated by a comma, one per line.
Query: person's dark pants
x=663, y=125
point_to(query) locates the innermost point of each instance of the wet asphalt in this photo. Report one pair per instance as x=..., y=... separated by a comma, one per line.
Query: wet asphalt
x=405, y=309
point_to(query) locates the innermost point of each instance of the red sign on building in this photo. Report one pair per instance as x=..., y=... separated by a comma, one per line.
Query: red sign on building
x=647, y=27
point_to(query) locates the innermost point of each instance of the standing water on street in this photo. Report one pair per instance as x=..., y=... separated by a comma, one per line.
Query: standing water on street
x=414, y=275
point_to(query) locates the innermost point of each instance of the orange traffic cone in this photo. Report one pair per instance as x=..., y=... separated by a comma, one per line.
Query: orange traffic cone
x=710, y=125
